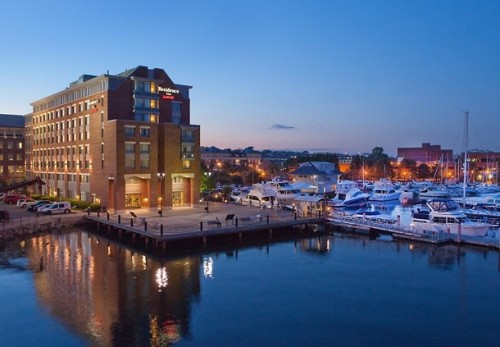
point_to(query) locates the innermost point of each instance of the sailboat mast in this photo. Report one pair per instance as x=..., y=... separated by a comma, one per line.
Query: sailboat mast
x=466, y=149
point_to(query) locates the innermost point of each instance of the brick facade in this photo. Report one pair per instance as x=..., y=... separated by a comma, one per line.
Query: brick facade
x=106, y=138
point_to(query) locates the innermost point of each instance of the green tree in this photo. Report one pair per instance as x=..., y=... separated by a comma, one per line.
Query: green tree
x=379, y=163
x=424, y=172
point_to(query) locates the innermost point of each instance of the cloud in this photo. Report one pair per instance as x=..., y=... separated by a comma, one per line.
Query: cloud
x=281, y=127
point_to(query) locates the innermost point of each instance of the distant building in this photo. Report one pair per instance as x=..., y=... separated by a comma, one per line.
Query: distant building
x=124, y=141
x=12, y=148
x=428, y=154
x=322, y=175
x=483, y=166
x=344, y=162
x=214, y=158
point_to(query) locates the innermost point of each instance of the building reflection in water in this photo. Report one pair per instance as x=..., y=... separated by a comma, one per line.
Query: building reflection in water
x=112, y=295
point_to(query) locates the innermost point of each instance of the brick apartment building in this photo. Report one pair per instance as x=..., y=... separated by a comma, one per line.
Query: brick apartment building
x=427, y=154
x=11, y=148
x=124, y=141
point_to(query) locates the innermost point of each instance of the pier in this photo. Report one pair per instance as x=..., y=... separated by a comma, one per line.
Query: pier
x=196, y=226
x=398, y=231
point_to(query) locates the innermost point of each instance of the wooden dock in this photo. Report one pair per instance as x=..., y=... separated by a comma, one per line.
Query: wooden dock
x=403, y=232
x=197, y=228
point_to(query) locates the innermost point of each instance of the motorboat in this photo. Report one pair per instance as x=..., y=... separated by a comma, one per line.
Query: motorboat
x=260, y=196
x=343, y=187
x=434, y=192
x=487, y=213
x=446, y=216
x=286, y=192
x=374, y=216
x=354, y=198
x=239, y=193
x=384, y=190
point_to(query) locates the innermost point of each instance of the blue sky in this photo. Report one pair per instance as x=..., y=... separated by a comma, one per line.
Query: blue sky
x=343, y=76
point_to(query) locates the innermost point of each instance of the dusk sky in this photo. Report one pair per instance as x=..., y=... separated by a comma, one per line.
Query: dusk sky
x=342, y=76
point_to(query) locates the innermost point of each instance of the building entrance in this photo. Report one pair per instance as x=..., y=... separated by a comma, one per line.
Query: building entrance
x=133, y=200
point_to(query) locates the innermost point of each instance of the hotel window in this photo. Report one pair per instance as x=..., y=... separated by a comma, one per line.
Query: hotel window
x=144, y=161
x=153, y=103
x=139, y=102
x=139, y=86
x=176, y=112
x=129, y=147
x=129, y=130
x=144, y=147
x=129, y=160
x=10, y=145
x=145, y=131
x=153, y=88
x=139, y=117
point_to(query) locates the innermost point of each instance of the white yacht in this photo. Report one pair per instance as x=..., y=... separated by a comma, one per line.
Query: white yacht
x=434, y=192
x=286, y=193
x=384, y=190
x=354, y=198
x=260, y=195
x=445, y=216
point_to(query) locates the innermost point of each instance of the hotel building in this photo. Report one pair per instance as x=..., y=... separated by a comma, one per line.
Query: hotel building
x=122, y=141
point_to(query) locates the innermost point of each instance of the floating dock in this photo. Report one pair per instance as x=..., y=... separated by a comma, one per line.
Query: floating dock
x=358, y=224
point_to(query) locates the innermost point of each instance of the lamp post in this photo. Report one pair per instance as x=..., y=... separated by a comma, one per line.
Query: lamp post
x=207, y=197
x=161, y=176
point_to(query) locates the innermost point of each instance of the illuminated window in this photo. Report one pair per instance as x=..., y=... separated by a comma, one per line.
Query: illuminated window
x=186, y=164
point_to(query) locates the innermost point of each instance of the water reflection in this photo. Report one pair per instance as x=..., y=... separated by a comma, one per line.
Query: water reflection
x=112, y=295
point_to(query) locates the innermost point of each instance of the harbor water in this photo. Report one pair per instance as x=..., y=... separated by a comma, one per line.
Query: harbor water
x=76, y=288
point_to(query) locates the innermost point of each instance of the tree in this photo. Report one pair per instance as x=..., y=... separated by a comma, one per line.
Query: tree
x=423, y=171
x=379, y=163
x=356, y=167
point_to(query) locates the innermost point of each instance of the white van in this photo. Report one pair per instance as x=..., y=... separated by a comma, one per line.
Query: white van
x=56, y=207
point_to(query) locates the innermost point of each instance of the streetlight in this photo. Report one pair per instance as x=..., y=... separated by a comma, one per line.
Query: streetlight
x=161, y=176
x=207, y=197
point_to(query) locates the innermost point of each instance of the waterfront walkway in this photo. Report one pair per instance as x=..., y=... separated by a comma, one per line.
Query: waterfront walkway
x=195, y=222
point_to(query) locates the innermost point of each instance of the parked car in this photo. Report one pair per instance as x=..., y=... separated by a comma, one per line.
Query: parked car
x=56, y=207
x=30, y=203
x=12, y=198
x=35, y=206
x=24, y=202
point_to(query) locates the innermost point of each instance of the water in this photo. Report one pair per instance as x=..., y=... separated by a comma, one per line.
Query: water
x=79, y=289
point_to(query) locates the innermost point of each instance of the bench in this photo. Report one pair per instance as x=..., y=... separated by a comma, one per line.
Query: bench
x=229, y=218
x=244, y=219
x=214, y=222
